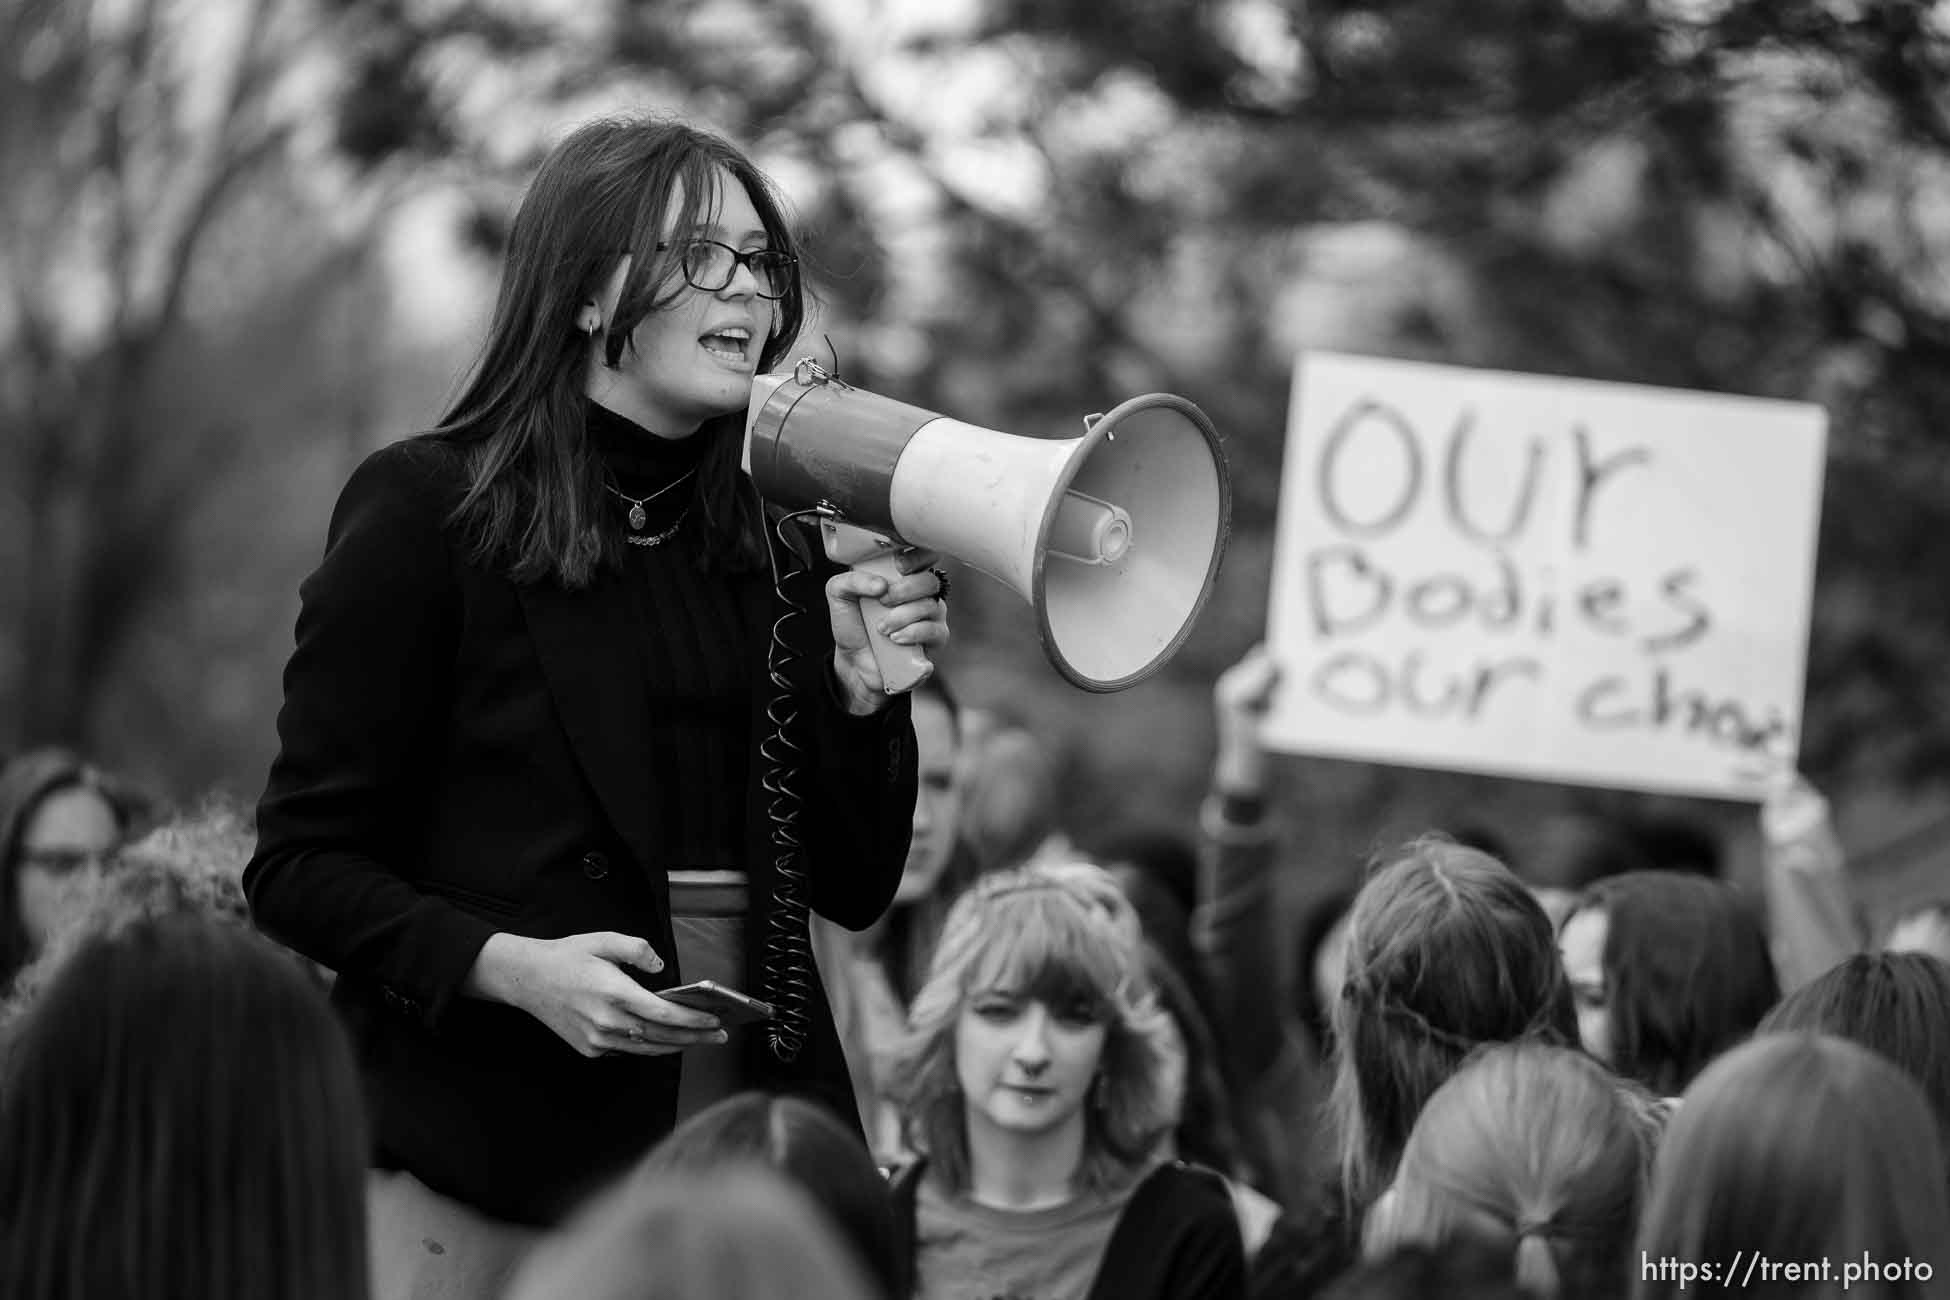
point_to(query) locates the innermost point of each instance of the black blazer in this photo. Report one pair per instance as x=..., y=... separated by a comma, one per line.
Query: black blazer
x=460, y=756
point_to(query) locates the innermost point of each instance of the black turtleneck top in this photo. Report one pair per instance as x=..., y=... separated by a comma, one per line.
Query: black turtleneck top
x=698, y=646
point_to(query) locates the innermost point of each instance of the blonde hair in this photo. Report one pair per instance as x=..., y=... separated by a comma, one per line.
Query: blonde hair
x=743, y=1233
x=1446, y=950
x=1536, y=1150
x=1059, y=934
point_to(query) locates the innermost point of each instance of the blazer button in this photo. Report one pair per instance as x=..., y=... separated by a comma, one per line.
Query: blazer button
x=595, y=866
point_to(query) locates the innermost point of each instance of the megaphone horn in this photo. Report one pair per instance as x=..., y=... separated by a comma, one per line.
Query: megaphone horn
x=1114, y=538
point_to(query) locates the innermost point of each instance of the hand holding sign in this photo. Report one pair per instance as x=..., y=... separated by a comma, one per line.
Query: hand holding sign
x=1242, y=698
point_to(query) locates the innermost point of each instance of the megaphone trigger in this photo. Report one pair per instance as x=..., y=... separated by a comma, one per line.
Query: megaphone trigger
x=902, y=667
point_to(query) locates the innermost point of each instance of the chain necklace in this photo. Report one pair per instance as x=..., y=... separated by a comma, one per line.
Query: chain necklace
x=658, y=539
x=638, y=516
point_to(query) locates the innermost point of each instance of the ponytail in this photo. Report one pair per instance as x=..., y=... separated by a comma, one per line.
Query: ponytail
x=1536, y=1268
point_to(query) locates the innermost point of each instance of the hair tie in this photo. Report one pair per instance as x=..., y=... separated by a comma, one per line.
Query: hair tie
x=1534, y=1227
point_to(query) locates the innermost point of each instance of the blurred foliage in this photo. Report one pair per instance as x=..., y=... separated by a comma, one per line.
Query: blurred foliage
x=1023, y=211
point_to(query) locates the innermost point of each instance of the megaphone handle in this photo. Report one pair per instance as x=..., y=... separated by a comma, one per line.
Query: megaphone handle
x=902, y=667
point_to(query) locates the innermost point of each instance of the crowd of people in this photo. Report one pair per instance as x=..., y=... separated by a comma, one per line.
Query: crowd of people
x=573, y=719
x=1061, y=1091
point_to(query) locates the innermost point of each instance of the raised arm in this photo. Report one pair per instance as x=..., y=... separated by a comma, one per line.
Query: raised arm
x=1235, y=925
x=1237, y=931
x=1812, y=921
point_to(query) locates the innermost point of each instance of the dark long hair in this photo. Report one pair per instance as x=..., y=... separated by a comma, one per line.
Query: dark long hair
x=180, y=1116
x=1687, y=973
x=1895, y=1003
x=534, y=497
x=1446, y=951
x=26, y=782
x=810, y=1147
x=1796, y=1146
x=1206, y=1132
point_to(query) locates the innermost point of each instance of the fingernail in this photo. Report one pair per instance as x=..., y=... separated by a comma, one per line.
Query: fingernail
x=901, y=637
x=722, y=1036
x=884, y=627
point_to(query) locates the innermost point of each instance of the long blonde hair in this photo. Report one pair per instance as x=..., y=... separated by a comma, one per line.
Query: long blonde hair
x=1060, y=934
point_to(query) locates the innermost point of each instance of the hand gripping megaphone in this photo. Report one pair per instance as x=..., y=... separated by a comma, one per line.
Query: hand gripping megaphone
x=1113, y=538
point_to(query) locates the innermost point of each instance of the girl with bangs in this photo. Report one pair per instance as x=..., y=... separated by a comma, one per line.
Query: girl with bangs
x=1036, y=1083
x=573, y=716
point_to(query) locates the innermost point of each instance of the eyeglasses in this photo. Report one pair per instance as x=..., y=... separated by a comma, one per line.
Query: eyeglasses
x=709, y=266
x=66, y=861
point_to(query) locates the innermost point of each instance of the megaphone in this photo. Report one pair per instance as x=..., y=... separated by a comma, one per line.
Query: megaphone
x=1114, y=538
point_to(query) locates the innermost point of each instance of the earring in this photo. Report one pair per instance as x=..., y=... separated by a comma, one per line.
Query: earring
x=1099, y=1090
x=589, y=321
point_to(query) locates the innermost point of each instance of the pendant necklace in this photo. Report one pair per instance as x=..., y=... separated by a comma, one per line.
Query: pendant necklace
x=658, y=539
x=638, y=517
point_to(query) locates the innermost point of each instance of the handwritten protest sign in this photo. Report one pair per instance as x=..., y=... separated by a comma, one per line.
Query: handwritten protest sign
x=1586, y=582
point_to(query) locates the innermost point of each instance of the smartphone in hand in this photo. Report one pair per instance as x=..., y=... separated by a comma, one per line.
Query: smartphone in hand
x=729, y=1005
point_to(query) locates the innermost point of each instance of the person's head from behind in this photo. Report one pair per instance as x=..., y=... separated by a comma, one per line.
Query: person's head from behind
x=1897, y=1004
x=1798, y=1146
x=938, y=799
x=1035, y=1029
x=732, y=1234
x=1446, y=950
x=806, y=1144
x=180, y=1116
x=1668, y=970
x=1532, y=1150
x=649, y=268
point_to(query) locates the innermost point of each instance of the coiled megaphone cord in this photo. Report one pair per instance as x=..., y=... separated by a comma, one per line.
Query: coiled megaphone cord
x=788, y=939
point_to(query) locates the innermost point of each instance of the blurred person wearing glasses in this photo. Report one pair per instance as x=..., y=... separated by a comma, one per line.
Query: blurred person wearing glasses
x=61, y=821
x=529, y=772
